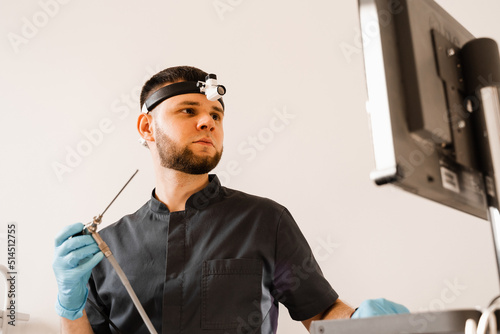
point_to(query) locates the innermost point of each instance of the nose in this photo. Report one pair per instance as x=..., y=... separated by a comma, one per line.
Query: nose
x=206, y=122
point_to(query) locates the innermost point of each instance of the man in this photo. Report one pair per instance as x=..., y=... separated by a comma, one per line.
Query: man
x=201, y=258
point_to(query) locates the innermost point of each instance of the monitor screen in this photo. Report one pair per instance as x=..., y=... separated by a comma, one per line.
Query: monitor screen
x=421, y=114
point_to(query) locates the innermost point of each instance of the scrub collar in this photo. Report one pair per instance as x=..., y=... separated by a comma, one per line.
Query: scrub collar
x=197, y=201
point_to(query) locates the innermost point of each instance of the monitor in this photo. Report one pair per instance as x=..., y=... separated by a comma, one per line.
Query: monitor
x=424, y=72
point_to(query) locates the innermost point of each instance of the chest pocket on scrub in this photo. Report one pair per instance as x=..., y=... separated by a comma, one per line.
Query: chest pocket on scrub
x=231, y=293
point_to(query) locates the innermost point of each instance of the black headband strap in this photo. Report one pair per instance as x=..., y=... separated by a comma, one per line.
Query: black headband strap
x=184, y=87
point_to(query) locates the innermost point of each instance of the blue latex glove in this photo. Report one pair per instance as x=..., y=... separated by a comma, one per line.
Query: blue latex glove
x=74, y=259
x=375, y=307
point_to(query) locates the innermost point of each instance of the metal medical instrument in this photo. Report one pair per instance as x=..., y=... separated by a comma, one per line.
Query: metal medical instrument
x=91, y=228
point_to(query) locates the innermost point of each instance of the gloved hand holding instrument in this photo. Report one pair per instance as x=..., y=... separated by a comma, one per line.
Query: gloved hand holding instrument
x=79, y=248
x=377, y=307
x=74, y=259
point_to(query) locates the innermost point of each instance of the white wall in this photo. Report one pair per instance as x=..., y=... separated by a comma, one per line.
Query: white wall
x=72, y=74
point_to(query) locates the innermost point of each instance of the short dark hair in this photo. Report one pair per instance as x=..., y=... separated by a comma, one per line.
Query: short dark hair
x=170, y=75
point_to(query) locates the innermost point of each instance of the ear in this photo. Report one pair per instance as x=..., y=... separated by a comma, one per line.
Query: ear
x=145, y=127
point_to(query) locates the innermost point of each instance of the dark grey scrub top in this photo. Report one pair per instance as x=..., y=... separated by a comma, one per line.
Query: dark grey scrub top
x=220, y=266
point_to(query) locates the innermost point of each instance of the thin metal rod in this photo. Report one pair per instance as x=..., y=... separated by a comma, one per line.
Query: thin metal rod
x=131, y=293
x=490, y=98
x=109, y=255
x=118, y=193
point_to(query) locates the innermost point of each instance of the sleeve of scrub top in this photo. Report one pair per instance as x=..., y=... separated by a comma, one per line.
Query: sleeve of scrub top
x=299, y=283
x=97, y=321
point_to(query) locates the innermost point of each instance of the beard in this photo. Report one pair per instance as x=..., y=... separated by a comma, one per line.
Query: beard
x=183, y=159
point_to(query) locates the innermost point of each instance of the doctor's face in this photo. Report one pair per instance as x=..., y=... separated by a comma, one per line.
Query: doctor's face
x=188, y=133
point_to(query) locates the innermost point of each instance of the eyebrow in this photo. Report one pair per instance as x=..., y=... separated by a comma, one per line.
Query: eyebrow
x=193, y=103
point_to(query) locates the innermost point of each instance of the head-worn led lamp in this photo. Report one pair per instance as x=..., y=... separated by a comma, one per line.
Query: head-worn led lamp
x=210, y=88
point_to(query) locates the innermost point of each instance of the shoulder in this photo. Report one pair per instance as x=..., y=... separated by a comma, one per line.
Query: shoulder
x=249, y=202
x=237, y=195
x=126, y=222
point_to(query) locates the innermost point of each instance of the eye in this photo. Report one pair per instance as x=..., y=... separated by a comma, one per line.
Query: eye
x=187, y=111
x=216, y=116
